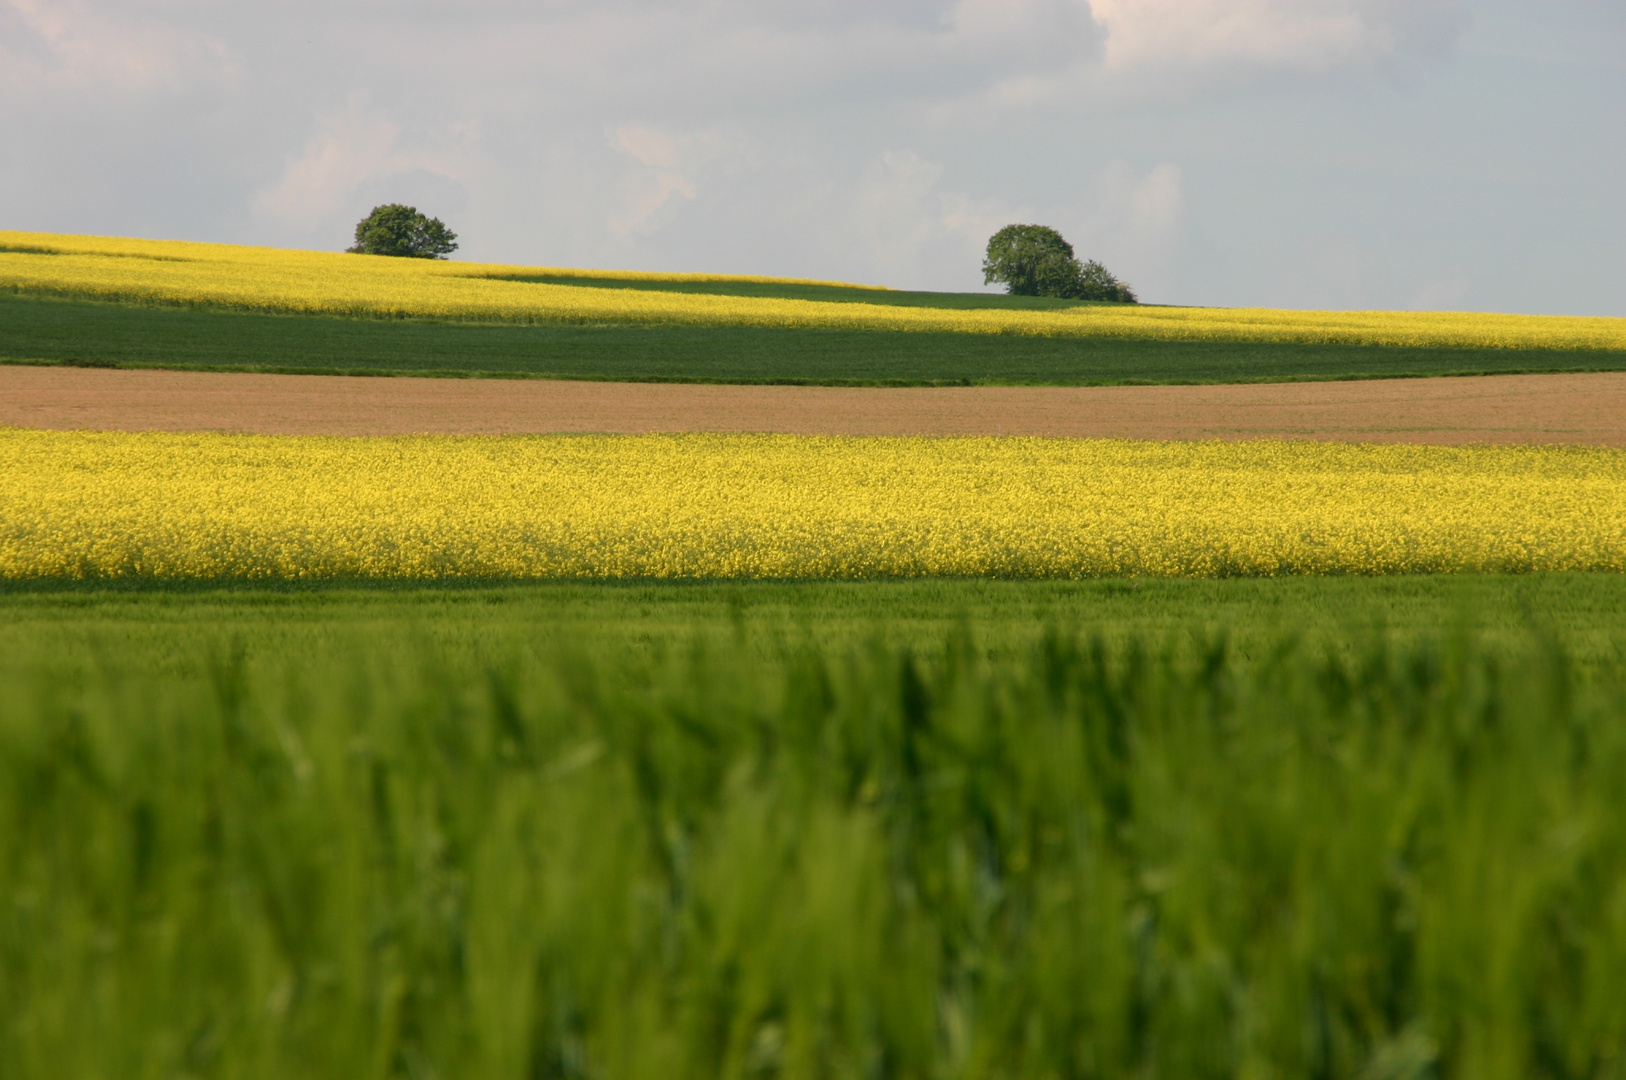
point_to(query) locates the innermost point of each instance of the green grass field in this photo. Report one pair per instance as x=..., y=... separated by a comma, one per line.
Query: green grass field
x=792, y=290
x=139, y=625
x=1334, y=827
x=49, y=331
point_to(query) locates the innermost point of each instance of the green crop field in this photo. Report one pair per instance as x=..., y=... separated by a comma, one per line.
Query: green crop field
x=77, y=332
x=140, y=624
x=1340, y=827
x=798, y=290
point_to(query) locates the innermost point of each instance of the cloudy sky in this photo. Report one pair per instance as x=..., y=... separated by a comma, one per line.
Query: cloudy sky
x=1463, y=154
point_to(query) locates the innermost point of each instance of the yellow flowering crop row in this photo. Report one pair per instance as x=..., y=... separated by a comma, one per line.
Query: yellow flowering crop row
x=30, y=243
x=322, y=282
x=95, y=505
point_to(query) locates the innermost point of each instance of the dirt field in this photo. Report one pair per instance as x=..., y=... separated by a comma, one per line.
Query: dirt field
x=1583, y=409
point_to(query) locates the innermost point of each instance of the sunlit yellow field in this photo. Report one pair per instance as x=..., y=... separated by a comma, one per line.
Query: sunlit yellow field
x=84, y=505
x=266, y=279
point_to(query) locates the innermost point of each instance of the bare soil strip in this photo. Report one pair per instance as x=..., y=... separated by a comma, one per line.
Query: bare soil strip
x=1586, y=409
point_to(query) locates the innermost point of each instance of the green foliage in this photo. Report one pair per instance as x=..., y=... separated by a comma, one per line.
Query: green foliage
x=1094, y=282
x=402, y=231
x=1030, y=260
x=748, y=856
x=111, y=335
x=1034, y=260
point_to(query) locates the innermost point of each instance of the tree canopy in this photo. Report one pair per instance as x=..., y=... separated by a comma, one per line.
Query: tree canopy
x=1034, y=260
x=402, y=231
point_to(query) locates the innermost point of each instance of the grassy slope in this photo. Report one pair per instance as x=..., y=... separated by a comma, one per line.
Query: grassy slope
x=60, y=331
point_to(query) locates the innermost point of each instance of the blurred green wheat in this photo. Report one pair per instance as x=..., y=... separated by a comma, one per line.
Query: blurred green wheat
x=1076, y=860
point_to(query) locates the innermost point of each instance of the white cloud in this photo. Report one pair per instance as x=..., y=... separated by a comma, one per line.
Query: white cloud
x=1157, y=201
x=52, y=46
x=1058, y=30
x=355, y=150
x=1122, y=201
x=908, y=230
x=352, y=147
x=650, y=187
x=1310, y=36
x=1133, y=220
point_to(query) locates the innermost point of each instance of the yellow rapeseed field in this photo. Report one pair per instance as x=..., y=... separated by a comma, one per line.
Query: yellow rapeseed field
x=173, y=272
x=109, y=505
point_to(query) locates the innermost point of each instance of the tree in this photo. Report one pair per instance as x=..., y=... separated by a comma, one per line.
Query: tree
x=402, y=231
x=1034, y=260
x=1030, y=260
x=1096, y=283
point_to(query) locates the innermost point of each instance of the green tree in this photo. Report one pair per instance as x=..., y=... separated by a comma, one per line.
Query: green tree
x=1034, y=260
x=1095, y=282
x=1029, y=260
x=402, y=231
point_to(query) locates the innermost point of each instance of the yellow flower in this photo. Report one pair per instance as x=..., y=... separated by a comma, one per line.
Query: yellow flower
x=83, y=504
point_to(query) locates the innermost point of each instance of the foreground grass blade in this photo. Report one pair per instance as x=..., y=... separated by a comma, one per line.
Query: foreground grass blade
x=1081, y=860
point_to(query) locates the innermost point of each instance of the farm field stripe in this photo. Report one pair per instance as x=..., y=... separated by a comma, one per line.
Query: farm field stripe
x=266, y=279
x=76, y=505
x=111, y=334
x=1582, y=409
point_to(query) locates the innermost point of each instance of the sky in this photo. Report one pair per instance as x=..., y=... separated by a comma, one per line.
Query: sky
x=1342, y=154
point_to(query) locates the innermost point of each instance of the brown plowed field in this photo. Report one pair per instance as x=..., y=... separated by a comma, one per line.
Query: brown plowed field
x=1577, y=408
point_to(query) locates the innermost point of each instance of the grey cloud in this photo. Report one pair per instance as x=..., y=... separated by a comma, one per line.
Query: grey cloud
x=1209, y=150
x=74, y=51
x=729, y=59
x=1175, y=47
